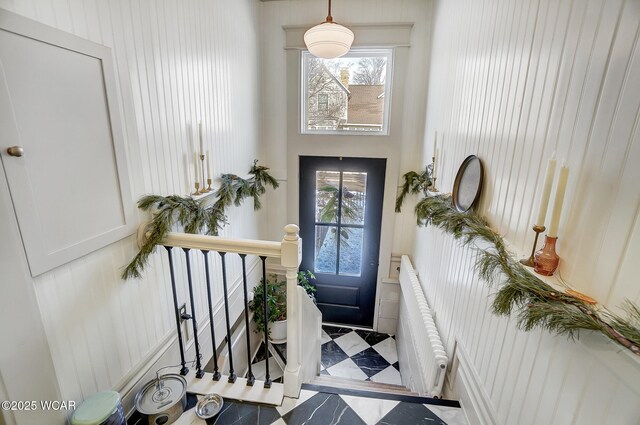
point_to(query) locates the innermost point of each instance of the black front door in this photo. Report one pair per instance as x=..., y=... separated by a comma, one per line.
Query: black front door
x=340, y=219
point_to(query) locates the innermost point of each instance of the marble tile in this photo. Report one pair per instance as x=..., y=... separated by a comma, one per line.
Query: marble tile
x=450, y=415
x=370, y=362
x=351, y=343
x=387, y=349
x=372, y=337
x=331, y=353
x=347, y=369
x=288, y=403
x=324, y=338
x=370, y=410
x=323, y=409
x=335, y=331
x=388, y=376
x=236, y=413
x=411, y=413
x=279, y=422
x=397, y=366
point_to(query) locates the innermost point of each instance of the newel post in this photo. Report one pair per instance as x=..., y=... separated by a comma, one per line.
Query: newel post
x=290, y=259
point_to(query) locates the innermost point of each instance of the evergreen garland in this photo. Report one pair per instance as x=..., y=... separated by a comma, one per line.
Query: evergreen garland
x=414, y=183
x=195, y=216
x=534, y=303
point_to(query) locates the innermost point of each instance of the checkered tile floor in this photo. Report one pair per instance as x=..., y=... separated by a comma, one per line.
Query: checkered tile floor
x=358, y=354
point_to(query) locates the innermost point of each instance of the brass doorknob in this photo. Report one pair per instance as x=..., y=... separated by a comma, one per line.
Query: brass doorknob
x=15, y=151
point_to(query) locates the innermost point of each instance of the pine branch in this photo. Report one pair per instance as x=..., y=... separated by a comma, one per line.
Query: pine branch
x=193, y=216
x=535, y=304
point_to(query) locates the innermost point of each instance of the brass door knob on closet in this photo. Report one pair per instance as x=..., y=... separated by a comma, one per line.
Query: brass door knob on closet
x=15, y=151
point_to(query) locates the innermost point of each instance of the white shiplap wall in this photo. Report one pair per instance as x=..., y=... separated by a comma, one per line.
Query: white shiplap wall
x=514, y=81
x=178, y=62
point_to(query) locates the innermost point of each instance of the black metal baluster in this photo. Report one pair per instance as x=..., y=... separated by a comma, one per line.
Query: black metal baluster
x=216, y=372
x=194, y=322
x=267, y=378
x=184, y=370
x=250, y=378
x=232, y=374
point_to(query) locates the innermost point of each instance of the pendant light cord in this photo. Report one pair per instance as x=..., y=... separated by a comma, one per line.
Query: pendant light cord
x=329, y=17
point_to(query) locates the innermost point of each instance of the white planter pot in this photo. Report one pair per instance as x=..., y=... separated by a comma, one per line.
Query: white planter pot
x=278, y=331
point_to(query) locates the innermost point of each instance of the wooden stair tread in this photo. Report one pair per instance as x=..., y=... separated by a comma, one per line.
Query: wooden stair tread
x=333, y=381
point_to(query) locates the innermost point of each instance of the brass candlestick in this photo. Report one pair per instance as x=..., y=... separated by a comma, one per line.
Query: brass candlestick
x=529, y=262
x=204, y=190
x=430, y=172
x=197, y=192
x=209, y=185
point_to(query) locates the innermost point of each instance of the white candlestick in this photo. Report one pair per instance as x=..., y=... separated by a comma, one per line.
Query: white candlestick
x=546, y=191
x=557, y=202
x=208, y=165
x=435, y=163
x=200, y=136
x=195, y=166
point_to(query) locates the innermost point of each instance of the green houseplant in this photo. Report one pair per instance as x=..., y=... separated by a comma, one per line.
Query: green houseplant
x=276, y=307
x=277, y=303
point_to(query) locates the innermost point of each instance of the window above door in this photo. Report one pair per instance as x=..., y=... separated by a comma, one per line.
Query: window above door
x=347, y=95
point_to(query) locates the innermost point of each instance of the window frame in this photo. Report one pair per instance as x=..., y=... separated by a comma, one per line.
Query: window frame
x=388, y=53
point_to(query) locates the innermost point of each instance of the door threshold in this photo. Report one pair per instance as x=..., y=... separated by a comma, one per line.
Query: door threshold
x=342, y=325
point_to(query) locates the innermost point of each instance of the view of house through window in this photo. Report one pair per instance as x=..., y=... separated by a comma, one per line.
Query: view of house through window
x=347, y=94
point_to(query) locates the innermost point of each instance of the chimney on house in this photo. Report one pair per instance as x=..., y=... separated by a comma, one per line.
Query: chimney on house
x=344, y=77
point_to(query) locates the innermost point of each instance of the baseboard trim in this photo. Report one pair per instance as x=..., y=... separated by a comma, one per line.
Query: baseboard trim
x=475, y=402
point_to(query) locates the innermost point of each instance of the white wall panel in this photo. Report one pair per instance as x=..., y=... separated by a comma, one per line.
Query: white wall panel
x=513, y=81
x=178, y=63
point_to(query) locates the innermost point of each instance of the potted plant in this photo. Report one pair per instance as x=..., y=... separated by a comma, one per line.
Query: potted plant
x=276, y=308
x=277, y=303
x=305, y=278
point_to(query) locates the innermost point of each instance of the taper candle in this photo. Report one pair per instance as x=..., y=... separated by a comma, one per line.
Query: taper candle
x=200, y=136
x=208, y=165
x=435, y=163
x=546, y=191
x=195, y=166
x=557, y=202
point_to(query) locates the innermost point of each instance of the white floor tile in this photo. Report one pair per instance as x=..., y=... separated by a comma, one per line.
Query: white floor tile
x=388, y=376
x=387, y=349
x=370, y=410
x=324, y=337
x=279, y=422
x=351, y=343
x=288, y=404
x=450, y=415
x=347, y=369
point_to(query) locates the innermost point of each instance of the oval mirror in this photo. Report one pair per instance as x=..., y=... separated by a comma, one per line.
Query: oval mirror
x=468, y=184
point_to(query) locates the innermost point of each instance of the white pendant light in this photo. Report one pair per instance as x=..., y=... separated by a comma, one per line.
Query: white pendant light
x=328, y=40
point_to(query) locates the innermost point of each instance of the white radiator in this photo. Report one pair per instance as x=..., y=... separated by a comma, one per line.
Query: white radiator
x=423, y=361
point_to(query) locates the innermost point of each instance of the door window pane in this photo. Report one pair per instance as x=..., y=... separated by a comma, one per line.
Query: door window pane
x=353, y=197
x=327, y=188
x=326, y=249
x=351, y=251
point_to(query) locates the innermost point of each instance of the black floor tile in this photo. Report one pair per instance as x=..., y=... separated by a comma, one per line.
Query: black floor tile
x=323, y=409
x=372, y=338
x=410, y=413
x=370, y=362
x=236, y=413
x=334, y=331
x=331, y=353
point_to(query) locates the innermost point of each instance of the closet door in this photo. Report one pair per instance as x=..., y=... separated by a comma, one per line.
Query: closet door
x=61, y=142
